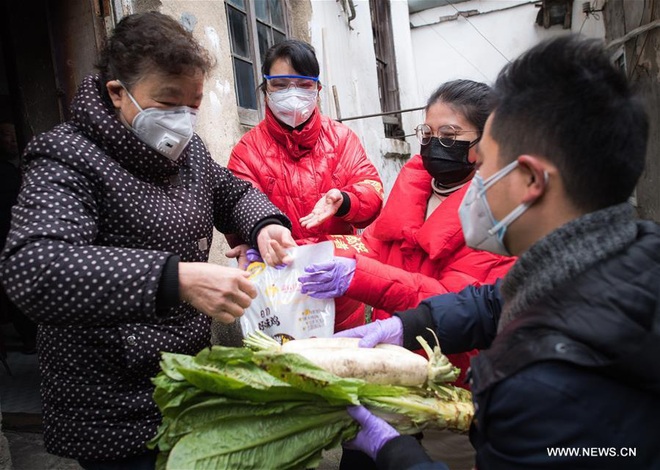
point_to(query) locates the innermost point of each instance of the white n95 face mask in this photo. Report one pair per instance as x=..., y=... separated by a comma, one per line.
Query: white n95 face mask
x=480, y=229
x=292, y=106
x=167, y=131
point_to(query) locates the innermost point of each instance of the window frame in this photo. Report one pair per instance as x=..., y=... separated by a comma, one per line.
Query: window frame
x=386, y=67
x=247, y=116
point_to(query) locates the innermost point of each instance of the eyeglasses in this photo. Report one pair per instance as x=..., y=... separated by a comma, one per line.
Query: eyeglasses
x=447, y=135
x=284, y=82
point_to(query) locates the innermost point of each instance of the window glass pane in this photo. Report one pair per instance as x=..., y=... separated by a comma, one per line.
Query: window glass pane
x=263, y=33
x=254, y=26
x=278, y=37
x=245, y=87
x=277, y=13
x=239, y=3
x=261, y=10
x=239, y=33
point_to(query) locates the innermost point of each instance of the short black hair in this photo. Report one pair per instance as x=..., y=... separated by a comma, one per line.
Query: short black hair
x=474, y=100
x=299, y=54
x=144, y=42
x=564, y=100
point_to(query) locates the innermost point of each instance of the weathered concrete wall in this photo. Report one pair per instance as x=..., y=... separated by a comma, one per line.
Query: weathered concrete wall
x=348, y=69
x=409, y=92
x=642, y=57
x=300, y=19
x=477, y=47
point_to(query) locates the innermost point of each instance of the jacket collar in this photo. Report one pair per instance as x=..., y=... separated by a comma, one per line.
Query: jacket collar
x=591, y=320
x=95, y=116
x=402, y=218
x=564, y=254
x=297, y=142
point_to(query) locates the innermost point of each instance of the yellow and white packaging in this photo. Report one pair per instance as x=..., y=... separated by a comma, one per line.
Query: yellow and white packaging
x=280, y=310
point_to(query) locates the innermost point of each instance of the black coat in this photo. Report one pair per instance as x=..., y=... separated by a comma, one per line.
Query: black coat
x=578, y=373
x=98, y=217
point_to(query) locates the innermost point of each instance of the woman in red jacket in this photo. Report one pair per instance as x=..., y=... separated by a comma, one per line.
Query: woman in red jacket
x=312, y=168
x=415, y=249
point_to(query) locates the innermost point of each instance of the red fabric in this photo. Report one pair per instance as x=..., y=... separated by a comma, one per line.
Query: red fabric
x=295, y=168
x=405, y=259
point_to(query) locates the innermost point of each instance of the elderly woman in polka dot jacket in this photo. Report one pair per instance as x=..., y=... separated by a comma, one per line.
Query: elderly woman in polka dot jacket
x=110, y=238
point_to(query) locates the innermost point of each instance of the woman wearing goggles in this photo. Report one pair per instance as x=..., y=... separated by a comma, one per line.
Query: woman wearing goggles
x=310, y=166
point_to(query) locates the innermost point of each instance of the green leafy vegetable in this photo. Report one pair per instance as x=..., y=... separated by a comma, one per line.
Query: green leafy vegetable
x=240, y=408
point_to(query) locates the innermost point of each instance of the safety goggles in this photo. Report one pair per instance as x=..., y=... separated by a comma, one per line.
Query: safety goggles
x=284, y=82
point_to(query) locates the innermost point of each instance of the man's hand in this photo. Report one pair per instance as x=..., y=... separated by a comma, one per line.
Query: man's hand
x=325, y=208
x=374, y=432
x=273, y=240
x=388, y=331
x=220, y=292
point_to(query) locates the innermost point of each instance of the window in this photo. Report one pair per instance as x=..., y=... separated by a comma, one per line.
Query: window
x=254, y=26
x=388, y=87
x=555, y=12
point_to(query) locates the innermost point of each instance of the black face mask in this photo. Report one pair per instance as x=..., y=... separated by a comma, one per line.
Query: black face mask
x=447, y=165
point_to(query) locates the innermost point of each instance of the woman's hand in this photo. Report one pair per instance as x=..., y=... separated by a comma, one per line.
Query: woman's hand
x=273, y=240
x=240, y=252
x=220, y=292
x=328, y=280
x=325, y=208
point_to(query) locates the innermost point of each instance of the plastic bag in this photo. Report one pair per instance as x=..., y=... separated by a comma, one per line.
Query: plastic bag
x=280, y=310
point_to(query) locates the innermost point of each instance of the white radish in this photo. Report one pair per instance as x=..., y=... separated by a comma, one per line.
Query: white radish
x=333, y=343
x=384, y=364
x=315, y=343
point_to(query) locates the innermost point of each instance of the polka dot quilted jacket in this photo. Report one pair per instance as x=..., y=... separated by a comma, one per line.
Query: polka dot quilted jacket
x=98, y=216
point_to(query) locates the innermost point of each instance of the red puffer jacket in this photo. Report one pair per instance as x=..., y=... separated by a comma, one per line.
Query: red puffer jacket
x=406, y=259
x=296, y=168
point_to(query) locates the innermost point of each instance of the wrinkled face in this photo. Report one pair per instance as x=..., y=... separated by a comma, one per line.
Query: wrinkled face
x=440, y=116
x=157, y=90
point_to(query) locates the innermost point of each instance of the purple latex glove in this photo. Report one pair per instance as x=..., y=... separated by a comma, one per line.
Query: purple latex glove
x=388, y=331
x=254, y=255
x=328, y=280
x=374, y=432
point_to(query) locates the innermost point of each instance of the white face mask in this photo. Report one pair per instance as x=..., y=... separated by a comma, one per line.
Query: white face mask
x=480, y=229
x=292, y=106
x=168, y=131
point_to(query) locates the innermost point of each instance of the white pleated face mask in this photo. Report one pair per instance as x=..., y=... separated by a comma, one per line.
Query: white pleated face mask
x=292, y=106
x=480, y=228
x=168, y=131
